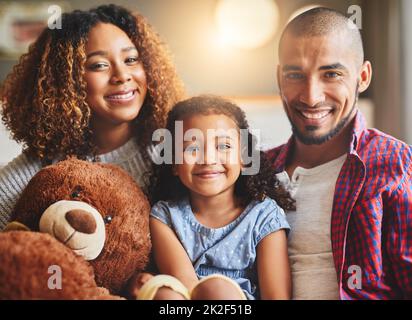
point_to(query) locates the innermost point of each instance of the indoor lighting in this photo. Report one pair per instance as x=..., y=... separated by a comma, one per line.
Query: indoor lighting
x=246, y=24
x=302, y=10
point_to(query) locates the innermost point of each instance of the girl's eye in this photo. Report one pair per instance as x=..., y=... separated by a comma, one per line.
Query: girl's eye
x=224, y=146
x=192, y=148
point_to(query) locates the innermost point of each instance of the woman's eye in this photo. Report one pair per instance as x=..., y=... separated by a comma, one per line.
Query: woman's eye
x=131, y=60
x=97, y=66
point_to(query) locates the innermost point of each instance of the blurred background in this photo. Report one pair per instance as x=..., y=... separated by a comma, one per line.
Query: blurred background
x=229, y=47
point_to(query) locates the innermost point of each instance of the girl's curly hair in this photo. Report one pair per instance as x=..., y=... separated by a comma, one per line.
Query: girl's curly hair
x=44, y=97
x=166, y=186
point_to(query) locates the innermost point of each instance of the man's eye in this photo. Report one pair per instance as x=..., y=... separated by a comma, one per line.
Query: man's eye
x=331, y=75
x=294, y=76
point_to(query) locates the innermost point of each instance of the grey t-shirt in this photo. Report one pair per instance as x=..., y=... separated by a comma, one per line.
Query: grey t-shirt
x=309, y=243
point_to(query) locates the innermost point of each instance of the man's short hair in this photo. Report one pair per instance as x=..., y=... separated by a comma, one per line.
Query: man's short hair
x=322, y=21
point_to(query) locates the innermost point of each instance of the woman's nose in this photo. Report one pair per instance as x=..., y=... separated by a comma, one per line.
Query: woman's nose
x=81, y=220
x=121, y=75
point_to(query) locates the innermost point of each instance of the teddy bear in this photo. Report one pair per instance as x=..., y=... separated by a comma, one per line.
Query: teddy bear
x=80, y=230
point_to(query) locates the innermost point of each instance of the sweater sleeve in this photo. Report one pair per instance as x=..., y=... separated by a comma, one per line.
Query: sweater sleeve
x=14, y=177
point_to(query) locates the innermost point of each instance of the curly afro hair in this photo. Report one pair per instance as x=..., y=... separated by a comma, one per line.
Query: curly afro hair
x=44, y=97
x=166, y=186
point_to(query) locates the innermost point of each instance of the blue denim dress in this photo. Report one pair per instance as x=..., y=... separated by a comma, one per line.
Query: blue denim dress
x=229, y=250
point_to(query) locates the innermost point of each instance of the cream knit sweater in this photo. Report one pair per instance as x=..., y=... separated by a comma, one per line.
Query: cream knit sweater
x=16, y=174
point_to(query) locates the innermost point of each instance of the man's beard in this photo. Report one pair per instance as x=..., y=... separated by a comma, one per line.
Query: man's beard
x=310, y=140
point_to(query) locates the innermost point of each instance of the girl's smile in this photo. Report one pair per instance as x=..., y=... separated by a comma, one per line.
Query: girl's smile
x=209, y=174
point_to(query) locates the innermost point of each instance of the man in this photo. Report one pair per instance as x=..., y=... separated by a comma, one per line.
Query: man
x=352, y=185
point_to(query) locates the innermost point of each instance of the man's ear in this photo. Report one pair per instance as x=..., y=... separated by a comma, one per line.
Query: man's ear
x=278, y=76
x=365, y=76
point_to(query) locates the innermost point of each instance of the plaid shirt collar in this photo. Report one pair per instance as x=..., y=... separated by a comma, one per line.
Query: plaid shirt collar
x=359, y=126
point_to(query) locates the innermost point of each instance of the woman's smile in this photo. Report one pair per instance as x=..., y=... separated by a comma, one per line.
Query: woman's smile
x=121, y=97
x=116, y=79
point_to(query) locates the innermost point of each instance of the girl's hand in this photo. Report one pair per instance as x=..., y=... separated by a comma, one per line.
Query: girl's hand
x=138, y=280
x=171, y=258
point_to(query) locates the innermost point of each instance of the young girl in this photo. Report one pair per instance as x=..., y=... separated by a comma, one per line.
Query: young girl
x=216, y=233
x=86, y=89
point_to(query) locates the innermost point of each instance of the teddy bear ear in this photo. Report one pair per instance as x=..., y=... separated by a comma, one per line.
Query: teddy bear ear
x=15, y=226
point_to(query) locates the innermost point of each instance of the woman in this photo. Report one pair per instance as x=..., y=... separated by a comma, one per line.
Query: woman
x=95, y=89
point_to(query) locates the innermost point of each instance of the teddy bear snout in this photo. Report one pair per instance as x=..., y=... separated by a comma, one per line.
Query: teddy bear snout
x=81, y=221
x=77, y=224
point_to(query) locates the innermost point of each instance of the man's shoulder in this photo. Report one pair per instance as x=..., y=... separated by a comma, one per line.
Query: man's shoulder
x=378, y=144
x=385, y=156
x=273, y=153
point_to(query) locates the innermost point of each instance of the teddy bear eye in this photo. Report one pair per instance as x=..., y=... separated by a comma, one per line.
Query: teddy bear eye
x=76, y=192
x=107, y=219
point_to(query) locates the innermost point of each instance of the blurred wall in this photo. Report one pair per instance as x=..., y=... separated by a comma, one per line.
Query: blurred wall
x=187, y=26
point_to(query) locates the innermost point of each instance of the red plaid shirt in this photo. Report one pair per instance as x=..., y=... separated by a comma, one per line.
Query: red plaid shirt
x=371, y=227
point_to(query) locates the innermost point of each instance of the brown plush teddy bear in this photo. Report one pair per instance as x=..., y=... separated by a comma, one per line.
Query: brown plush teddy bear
x=94, y=234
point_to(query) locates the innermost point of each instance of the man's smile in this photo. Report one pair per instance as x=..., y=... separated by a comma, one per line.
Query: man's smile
x=314, y=117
